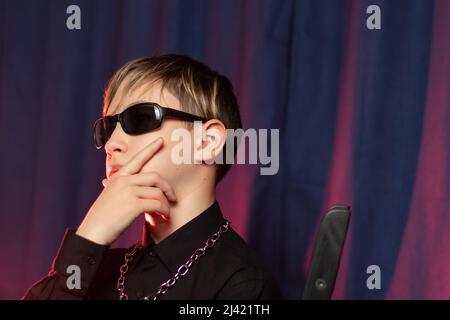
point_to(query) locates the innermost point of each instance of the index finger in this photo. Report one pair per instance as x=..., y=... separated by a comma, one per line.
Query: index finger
x=140, y=159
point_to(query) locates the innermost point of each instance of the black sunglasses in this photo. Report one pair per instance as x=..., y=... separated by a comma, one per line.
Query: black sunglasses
x=137, y=119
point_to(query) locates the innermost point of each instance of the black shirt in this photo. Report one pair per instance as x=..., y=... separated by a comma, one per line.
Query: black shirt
x=228, y=270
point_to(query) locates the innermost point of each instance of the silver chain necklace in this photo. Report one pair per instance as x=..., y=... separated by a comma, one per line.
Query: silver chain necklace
x=182, y=270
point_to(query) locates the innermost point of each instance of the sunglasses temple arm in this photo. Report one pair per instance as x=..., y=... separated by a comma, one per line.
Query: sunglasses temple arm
x=182, y=115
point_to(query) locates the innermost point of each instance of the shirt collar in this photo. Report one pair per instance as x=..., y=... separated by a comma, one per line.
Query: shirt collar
x=176, y=249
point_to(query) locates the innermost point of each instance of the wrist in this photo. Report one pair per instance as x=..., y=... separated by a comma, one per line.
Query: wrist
x=92, y=235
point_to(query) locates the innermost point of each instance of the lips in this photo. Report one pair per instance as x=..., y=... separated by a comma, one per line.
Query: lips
x=113, y=169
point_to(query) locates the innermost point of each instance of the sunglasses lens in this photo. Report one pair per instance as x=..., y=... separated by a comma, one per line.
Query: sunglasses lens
x=103, y=129
x=141, y=119
x=135, y=120
x=99, y=133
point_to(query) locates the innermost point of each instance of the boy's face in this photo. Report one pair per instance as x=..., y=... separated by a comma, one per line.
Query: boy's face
x=121, y=147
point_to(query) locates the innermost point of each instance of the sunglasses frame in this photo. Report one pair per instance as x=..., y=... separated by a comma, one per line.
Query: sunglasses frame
x=160, y=112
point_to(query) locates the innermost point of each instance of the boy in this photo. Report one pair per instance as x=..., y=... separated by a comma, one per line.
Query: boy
x=188, y=250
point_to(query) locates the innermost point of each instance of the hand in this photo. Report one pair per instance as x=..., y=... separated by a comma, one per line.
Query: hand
x=126, y=195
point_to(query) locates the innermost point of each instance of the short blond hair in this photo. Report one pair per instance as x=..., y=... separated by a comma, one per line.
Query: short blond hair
x=200, y=90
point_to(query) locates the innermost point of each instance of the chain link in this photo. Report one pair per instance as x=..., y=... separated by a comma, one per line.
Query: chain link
x=182, y=270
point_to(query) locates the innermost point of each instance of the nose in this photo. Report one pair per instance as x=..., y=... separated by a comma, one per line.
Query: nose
x=118, y=141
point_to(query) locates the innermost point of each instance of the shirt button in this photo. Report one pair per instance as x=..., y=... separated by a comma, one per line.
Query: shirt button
x=152, y=253
x=91, y=260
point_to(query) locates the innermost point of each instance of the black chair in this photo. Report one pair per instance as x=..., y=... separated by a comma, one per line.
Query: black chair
x=324, y=266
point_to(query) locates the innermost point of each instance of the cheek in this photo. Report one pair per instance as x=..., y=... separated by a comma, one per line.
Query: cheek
x=161, y=162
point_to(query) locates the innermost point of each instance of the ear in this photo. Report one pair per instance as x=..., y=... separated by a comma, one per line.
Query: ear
x=213, y=138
